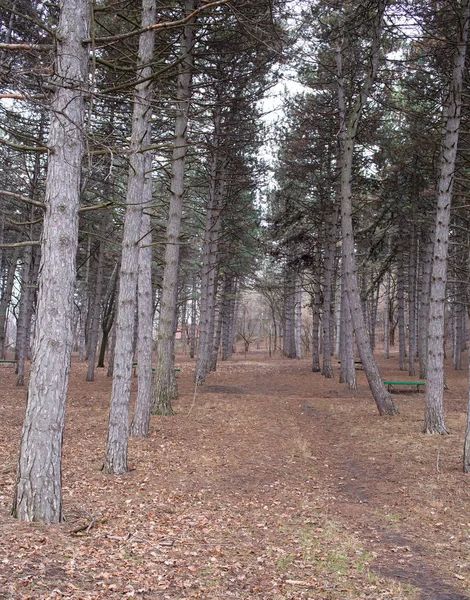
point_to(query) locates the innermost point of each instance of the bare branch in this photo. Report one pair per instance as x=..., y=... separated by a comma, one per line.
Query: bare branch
x=22, y=198
x=16, y=47
x=158, y=26
x=21, y=244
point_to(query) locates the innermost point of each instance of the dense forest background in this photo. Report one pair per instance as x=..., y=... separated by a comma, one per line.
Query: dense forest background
x=146, y=196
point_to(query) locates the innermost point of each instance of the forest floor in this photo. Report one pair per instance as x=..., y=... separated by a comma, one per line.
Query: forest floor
x=270, y=483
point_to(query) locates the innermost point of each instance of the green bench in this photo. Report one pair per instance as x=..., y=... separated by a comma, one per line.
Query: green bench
x=391, y=384
x=8, y=362
x=134, y=366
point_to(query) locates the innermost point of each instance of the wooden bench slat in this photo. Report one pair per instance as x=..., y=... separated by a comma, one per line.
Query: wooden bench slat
x=390, y=384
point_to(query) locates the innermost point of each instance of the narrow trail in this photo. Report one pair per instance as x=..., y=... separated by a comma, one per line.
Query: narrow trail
x=355, y=492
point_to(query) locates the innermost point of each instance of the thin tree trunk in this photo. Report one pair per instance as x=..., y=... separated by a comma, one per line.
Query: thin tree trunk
x=328, y=279
x=6, y=299
x=434, y=421
x=118, y=428
x=289, y=312
x=386, y=316
x=38, y=493
x=193, y=328
x=382, y=398
x=347, y=371
x=141, y=420
x=298, y=316
x=466, y=448
x=209, y=274
x=412, y=276
x=166, y=389
x=227, y=316
x=21, y=332
x=84, y=306
x=95, y=323
x=426, y=260
x=108, y=315
x=401, y=309
x=316, y=307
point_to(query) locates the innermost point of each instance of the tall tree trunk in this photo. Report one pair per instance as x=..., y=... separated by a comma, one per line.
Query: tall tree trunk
x=316, y=307
x=141, y=420
x=298, y=316
x=6, y=299
x=434, y=421
x=85, y=305
x=165, y=382
x=347, y=371
x=412, y=291
x=210, y=269
x=466, y=448
x=38, y=493
x=227, y=316
x=289, y=312
x=423, y=316
x=401, y=308
x=382, y=398
x=97, y=297
x=22, y=338
x=386, y=316
x=193, y=328
x=108, y=315
x=118, y=427
x=328, y=280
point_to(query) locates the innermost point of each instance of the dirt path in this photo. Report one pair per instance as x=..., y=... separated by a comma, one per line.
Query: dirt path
x=272, y=483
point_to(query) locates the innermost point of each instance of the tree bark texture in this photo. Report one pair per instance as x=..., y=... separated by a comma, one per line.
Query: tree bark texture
x=141, y=420
x=108, y=315
x=382, y=398
x=210, y=266
x=22, y=338
x=328, y=280
x=166, y=389
x=97, y=297
x=423, y=315
x=316, y=307
x=118, y=427
x=401, y=308
x=289, y=312
x=38, y=493
x=298, y=316
x=6, y=299
x=434, y=421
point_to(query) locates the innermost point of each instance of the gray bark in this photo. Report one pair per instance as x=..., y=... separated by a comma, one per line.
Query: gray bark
x=328, y=280
x=434, y=421
x=141, y=420
x=401, y=309
x=38, y=493
x=288, y=345
x=386, y=316
x=209, y=275
x=6, y=299
x=22, y=339
x=95, y=323
x=316, y=307
x=423, y=316
x=298, y=316
x=412, y=305
x=227, y=316
x=118, y=428
x=192, y=329
x=347, y=371
x=382, y=398
x=166, y=389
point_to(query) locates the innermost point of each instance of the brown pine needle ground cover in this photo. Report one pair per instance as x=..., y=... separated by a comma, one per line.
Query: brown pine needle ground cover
x=277, y=485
